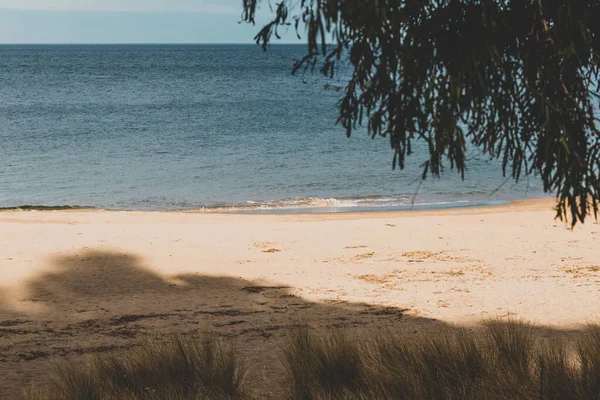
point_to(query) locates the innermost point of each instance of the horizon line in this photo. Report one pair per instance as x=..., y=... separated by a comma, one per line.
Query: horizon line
x=152, y=44
x=223, y=11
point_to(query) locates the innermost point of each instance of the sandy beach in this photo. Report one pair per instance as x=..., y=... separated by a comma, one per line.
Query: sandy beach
x=79, y=282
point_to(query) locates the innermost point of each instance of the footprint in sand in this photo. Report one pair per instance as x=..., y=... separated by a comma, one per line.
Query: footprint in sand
x=267, y=247
x=443, y=304
x=376, y=279
x=272, y=250
x=363, y=256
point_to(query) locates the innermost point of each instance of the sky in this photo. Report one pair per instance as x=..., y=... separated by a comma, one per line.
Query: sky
x=127, y=21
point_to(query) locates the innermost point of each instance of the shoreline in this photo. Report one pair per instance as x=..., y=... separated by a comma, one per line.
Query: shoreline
x=531, y=204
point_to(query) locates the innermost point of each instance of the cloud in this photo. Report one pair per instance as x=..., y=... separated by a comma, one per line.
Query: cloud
x=200, y=6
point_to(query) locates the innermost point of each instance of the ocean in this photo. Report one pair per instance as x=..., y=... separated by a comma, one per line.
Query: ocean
x=179, y=127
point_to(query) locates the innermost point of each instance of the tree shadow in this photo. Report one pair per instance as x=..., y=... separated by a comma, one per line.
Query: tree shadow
x=103, y=301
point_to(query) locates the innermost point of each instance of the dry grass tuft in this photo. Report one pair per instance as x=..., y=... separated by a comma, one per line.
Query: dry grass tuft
x=181, y=368
x=321, y=364
x=505, y=360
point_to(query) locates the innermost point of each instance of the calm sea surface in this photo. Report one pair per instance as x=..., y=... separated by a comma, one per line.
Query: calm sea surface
x=186, y=127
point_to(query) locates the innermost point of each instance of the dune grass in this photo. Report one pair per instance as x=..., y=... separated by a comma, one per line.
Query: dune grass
x=501, y=360
x=504, y=360
x=182, y=368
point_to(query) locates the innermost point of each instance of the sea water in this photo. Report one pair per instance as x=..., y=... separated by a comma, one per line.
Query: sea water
x=203, y=127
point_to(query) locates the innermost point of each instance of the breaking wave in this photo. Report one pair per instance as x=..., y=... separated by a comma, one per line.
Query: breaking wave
x=356, y=204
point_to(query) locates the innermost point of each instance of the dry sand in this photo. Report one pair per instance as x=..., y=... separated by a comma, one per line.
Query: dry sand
x=79, y=282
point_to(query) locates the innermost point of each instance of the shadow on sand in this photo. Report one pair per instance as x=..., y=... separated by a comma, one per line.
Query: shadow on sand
x=101, y=301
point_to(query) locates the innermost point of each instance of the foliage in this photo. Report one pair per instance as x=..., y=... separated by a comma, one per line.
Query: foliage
x=517, y=79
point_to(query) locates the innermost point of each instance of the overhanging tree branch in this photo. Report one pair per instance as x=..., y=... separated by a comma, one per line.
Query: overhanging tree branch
x=516, y=78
